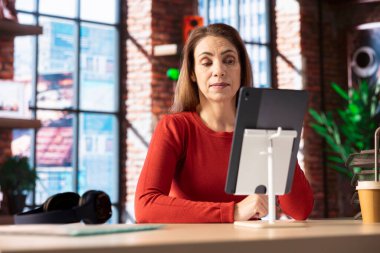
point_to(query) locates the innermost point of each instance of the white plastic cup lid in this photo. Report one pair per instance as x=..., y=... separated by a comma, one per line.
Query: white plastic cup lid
x=368, y=185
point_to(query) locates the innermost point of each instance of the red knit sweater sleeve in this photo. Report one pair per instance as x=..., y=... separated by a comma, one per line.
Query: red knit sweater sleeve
x=298, y=203
x=152, y=201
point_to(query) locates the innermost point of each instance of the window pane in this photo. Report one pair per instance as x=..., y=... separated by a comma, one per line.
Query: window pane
x=53, y=154
x=24, y=54
x=99, y=10
x=98, y=82
x=114, y=217
x=259, y=56
x=254, y=21
x=65, y=8
x=26, y=5
x=98, y=145
x=214, y=11
x=234, y=13
x=252, y=14
x=56, y=64
x=21, y=140
x=202, y=10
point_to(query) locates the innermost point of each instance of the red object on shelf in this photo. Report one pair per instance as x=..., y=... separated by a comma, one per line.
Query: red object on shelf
x=189, y=24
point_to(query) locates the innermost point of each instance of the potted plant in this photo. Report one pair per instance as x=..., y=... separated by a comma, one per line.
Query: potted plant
x=349, y=129
x=16, y=179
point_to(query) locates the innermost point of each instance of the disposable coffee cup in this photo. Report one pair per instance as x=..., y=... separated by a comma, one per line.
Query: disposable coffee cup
x=369, y=197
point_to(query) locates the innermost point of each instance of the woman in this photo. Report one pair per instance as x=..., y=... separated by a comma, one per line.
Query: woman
x=185, y=170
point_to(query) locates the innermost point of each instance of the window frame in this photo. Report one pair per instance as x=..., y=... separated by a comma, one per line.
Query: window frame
x=75, y=110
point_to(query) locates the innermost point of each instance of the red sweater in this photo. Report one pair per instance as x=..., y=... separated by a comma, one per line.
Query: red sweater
x=184, y=175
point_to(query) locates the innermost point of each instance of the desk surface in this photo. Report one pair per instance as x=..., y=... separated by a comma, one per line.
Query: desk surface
x=318, y=236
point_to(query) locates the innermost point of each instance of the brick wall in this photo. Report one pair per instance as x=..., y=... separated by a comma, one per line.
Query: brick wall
x=6, y=57
x=5, y=144
x=291, y=73
x=311, y=78
x=167, y=29
x=6, y=72
x=288, y=41
x=149, y=91
x=138, y=88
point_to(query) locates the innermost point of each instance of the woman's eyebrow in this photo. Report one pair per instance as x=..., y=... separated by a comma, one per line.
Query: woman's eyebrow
x=206, y=53
x=228, y=51
x=211, y=54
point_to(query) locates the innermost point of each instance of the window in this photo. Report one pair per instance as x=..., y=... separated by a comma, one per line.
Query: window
x=73, y=78
x=251, y=19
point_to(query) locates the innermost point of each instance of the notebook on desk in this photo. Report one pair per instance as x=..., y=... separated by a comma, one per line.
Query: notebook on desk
x=75, y=229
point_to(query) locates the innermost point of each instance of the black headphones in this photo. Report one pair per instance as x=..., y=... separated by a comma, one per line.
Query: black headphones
x=94, y=207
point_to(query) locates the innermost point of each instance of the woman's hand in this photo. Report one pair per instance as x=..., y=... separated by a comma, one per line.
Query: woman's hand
x=253, y=206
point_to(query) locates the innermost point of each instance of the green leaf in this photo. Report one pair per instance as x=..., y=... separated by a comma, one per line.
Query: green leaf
x=353, y=109
x=335, y=159
x=319, y=129
x=355, y=96
x=342, y=93
x=336, y=134
x=315, y=115
x=357, y=118
x=364, y=94
x=332, y=144
x=328, y=119
x=356, y=170
x=16, y=175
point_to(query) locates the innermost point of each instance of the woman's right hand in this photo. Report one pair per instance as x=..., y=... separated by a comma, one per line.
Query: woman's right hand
x=253, y=206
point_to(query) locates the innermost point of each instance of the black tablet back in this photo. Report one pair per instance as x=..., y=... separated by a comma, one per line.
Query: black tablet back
x=266, y=109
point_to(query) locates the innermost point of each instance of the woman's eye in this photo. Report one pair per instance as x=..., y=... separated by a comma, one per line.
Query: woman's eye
x=230, y=61
x=207, y=63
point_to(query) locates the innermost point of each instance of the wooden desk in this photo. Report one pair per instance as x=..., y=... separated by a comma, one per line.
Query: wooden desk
x=318, y=236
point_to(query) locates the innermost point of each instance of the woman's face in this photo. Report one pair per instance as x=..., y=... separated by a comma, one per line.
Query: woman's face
x=216, y=69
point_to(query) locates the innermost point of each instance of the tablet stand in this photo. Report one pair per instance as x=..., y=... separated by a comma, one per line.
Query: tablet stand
x=276, y=144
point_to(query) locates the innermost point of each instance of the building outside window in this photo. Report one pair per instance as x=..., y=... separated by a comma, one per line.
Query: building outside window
x=252, y=19
x=71, y=77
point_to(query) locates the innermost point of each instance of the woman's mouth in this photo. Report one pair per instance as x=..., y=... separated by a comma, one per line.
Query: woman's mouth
x=219, y=85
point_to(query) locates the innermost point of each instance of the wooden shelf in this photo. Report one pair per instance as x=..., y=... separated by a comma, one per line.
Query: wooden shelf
x=16, y=29
x=19, y=123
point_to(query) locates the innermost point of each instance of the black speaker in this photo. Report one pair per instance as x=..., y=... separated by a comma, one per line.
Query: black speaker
x=364, y=57
x=94, y=207
x=364, y=54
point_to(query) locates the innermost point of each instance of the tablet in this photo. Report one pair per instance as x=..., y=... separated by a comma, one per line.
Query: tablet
x=264, y=109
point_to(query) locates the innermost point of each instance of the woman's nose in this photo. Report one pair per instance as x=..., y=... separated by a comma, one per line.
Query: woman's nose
x=218, y=69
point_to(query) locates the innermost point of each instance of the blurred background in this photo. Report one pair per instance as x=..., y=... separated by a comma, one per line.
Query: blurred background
x=84, y=82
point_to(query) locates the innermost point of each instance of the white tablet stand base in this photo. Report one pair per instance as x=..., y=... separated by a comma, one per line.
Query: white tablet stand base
x=267, y=141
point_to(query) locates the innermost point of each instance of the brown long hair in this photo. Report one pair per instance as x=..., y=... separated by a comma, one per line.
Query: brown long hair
x=186, y=97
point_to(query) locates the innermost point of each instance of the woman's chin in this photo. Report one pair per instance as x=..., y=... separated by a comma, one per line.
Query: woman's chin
x=220, y=98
